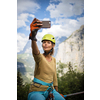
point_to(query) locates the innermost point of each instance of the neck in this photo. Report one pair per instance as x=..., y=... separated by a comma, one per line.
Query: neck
x=47, y=56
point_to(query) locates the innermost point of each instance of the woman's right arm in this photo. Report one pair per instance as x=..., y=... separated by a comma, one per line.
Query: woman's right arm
x=34, y=46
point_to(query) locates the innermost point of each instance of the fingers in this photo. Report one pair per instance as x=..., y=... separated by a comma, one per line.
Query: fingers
x=36, y=24
x=36, y=21
x=33, y=28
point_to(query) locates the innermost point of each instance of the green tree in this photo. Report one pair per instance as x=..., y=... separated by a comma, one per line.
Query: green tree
x=19, y=79
x=70, y=81
x=22, y=89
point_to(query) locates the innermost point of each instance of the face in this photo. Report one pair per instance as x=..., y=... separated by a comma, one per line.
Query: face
x=47, y=45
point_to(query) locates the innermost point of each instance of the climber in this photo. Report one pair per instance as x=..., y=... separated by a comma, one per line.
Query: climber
x=45, y=78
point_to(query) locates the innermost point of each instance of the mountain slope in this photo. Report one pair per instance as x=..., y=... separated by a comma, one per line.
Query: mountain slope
x=72, y=50
x=25, y=64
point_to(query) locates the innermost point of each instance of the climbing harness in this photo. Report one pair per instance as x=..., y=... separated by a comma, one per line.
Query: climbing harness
x=49, y=89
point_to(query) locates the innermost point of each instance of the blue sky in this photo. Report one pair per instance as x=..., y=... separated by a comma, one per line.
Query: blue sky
x=66, y=16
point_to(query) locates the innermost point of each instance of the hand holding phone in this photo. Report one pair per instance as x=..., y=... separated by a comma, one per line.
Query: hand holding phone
x=41, y=24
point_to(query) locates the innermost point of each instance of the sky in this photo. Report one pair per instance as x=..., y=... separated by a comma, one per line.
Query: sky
x=66, y=16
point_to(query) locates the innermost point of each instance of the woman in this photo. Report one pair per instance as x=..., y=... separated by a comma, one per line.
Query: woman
x=45, y=77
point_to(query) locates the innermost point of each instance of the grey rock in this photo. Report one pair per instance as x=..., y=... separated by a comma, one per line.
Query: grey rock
x=72, y=50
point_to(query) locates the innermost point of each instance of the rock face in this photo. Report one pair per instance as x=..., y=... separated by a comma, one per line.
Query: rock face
x=72, y=50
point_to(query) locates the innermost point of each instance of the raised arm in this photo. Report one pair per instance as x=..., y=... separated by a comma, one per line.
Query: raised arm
x=35, y=49
x=34, y=27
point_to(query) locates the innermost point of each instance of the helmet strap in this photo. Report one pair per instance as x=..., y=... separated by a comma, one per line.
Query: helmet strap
x=48, y=52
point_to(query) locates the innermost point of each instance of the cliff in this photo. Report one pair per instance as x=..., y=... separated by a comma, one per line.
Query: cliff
x=72, y=50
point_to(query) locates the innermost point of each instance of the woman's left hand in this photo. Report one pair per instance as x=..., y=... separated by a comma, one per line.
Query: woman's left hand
x=56, y=88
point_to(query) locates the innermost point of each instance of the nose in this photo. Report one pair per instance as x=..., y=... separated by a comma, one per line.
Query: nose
x=45, y=43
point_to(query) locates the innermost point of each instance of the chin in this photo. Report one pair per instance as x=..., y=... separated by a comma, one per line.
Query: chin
x=46, y=50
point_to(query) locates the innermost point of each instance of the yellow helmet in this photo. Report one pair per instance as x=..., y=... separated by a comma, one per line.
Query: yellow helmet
x=49, y=37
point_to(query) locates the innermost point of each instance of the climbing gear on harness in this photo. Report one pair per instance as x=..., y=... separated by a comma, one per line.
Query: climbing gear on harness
x=34, y=27
x=50, y=96
x=49, y=89
x=49, y=37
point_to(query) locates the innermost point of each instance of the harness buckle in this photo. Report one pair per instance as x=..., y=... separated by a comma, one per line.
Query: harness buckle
x=35, y=85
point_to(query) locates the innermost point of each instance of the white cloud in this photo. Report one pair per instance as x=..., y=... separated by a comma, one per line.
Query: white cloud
x=27, y=6
x=46, y=19
x=81, y=20
x=22, y=19
x=31, y=15
x=54, y=0
x=20, y=23
x=21, y=41
x=73, y=22
x=27, y=28
x=65, y=9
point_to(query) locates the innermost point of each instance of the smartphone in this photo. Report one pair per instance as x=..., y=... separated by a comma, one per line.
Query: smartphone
x=46, y=24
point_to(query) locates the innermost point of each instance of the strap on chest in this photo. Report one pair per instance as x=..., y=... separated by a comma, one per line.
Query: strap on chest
x=42, y=82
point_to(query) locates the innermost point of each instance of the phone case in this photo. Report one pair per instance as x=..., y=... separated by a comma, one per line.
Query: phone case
x=46, y=24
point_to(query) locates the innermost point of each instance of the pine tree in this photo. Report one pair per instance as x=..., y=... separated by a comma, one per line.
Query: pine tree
x=22, y=89
x=19, y=79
